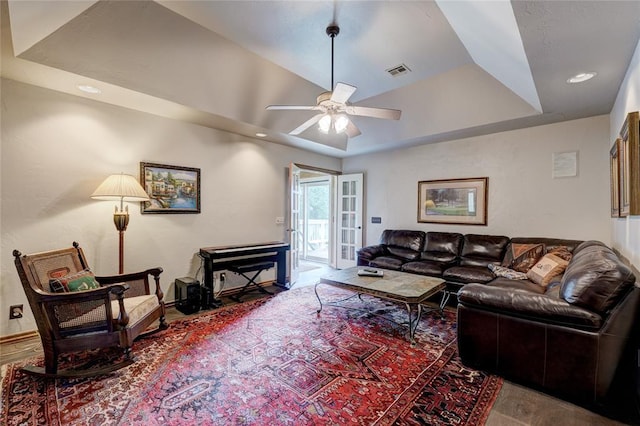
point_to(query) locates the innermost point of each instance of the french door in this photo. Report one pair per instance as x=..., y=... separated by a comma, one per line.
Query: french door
x=347, y=214
x=349, y=223
x=294, y=225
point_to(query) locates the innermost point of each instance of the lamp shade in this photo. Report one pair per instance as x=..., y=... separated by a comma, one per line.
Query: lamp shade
x=120, y=187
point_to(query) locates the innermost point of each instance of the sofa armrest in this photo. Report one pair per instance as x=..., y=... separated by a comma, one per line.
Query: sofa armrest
x=525, y=304
x=367, y=254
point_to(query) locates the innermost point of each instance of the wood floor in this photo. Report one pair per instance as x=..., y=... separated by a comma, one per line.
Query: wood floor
x=516, y=405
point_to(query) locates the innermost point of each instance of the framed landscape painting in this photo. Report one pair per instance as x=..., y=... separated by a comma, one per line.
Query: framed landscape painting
x=171, y=189
x=453, y=201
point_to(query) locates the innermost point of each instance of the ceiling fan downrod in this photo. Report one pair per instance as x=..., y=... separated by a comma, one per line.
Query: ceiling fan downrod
x=332, y=31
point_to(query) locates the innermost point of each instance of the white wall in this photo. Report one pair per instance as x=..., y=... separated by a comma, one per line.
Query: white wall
x=524, y=199
x=625, y=232
x=57, y=148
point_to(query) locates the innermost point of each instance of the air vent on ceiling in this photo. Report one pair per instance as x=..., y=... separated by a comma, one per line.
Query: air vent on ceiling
x=398, y=70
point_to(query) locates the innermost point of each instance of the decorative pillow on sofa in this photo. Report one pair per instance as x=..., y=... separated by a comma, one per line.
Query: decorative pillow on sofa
x=562, y=252
x=79, y=281
x=501, y=271
x=522, y=257
x=547, y=268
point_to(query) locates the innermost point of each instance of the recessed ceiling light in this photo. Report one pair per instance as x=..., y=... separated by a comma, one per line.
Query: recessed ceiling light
x=261, y=135
x=583, y=76
x=89, y=89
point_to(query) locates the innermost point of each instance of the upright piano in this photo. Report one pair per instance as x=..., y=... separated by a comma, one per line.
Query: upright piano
x=223, y=257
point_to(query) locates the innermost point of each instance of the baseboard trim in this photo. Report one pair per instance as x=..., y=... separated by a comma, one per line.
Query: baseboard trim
x=18, y=337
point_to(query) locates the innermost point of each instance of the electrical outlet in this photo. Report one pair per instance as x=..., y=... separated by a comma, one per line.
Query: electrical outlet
x=15, y=312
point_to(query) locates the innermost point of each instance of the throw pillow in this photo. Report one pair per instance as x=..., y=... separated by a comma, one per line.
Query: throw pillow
x=79, y=281
x=501, y=271
x=547, y=268
x=562, y=252
x=521, y=257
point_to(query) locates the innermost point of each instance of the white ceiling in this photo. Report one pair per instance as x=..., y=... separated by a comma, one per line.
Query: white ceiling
x=477, y=67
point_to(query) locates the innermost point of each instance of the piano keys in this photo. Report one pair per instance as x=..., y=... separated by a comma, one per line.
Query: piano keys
x=223, y=257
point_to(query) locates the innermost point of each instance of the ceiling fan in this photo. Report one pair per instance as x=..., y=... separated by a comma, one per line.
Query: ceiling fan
x=334, y=106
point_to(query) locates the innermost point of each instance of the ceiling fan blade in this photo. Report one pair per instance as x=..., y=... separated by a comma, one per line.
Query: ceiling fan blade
x=389, y=114
x=294, y=107
x=352, y=130
x=304, y=126
x=342, y=92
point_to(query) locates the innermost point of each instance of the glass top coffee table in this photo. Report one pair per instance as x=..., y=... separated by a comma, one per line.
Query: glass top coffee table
x=401, y=287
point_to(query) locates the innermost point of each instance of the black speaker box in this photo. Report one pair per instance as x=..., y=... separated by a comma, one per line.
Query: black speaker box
x=187, y=294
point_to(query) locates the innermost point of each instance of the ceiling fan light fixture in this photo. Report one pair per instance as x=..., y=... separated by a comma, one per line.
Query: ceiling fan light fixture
x=340, y=123
x=324, y=125
x=334, y=109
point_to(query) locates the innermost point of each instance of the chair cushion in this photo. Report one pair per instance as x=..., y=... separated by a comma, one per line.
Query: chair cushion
x=137, y=307
x=79, y=281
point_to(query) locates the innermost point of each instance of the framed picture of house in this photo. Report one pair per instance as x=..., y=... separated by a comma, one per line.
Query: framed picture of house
x=171, y=189
x=453, y=201
x=614, y=161
x=629, y=153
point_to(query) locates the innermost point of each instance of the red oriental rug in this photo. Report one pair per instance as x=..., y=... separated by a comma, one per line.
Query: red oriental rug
x=273, y=361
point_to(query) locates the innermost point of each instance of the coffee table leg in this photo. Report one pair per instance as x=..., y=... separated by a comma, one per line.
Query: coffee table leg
x=414, y=319
x=446, y=294
x=315, y=289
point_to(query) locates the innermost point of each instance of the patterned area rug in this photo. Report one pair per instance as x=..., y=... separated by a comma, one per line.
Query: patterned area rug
x=274, y=361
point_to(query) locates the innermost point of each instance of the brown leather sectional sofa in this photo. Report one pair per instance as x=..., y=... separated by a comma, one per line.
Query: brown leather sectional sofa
x=570, y=338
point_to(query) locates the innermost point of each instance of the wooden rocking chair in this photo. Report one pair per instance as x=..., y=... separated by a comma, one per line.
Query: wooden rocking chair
x=113, y=311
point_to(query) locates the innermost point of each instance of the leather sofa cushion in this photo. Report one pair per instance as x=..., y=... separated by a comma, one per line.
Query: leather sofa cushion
x=424, y=267
x=403, y=253
x=413, y=240
x=528, y=304
x=387, y=262
x=436, y=256
x=443, y=242
x=595, y=278
x=468, y=274
x=510, y=284
x=475, y=248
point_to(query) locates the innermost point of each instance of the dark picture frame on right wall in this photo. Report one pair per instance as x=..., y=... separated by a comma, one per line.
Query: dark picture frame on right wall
x=629, y=147
x=614, y=177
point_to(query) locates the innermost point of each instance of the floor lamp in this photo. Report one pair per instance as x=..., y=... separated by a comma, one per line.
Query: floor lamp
x=121, y=187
